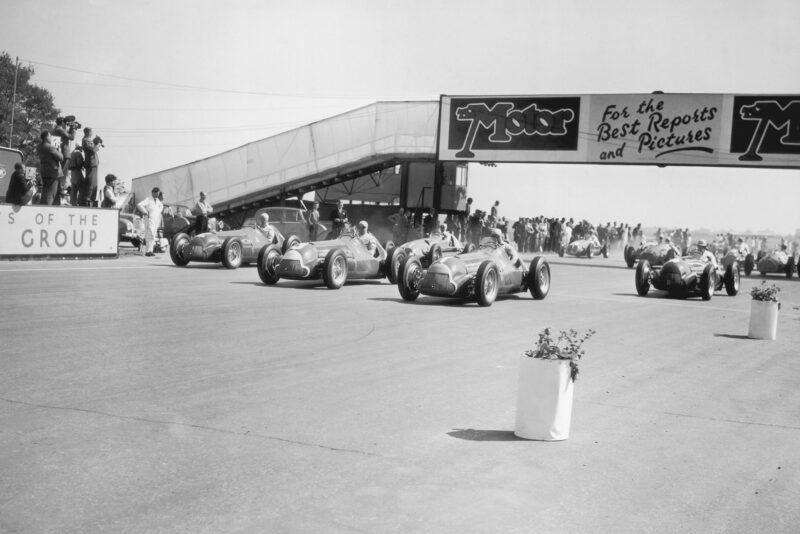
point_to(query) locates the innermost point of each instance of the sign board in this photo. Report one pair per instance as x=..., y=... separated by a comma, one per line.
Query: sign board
x=58, y=231
x=8, y=157
x=644, y=129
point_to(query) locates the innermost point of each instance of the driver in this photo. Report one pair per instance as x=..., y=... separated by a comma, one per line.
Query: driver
x=705, y=254
x=671, y=246
x=445, y=235
x=742, y=247
x=592, y=238
x=270, y=232
x=509, y=250
x=369, y=240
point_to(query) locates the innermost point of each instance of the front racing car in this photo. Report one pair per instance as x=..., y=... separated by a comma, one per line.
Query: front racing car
x=489, y=271
x=687, y=277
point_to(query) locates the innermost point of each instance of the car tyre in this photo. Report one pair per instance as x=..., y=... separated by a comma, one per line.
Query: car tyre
x=408, y=278
x=232, y=253
x=749, y=264
x=335, y=271
x=708, y=280
x=643, y=278
x=732, y=279
x=268, y=259
x=628, y=254
x=539, y=278
x=589, y=251
x=487, y=283
x=434, y=254
x=561, y=251
x=394, y=258
x=290, y=242
x=790, y=267
x=179, y=242
x=605, y=250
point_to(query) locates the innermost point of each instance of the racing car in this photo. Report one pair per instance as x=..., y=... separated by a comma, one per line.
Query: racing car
x=427, y=249
x=776, y=261
x=655, y=253
x=490, y=270
x=232, y=248
x=687, y=276
x=583, y=247
x=334, y=261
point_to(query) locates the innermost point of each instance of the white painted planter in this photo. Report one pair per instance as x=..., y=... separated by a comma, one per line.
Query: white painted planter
x=544, y=399
x=763, y=319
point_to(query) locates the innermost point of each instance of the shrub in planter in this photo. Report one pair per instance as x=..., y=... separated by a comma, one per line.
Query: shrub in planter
x=764, y=311
x=547, y=374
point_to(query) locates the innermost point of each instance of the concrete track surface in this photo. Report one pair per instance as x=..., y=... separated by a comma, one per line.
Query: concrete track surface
x=136, y=396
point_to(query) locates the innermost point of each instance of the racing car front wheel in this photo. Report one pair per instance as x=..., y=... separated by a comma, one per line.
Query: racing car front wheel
x=335, y=272
x=708, y=280
x=732, y=279
x=539, y=278
x=749, y=264
x=643, y=278
x=394, y=258
x=232, y=253
x=629, y=256
x=790, y=267
x=408, y=278
x=268, y=259
x=179, y=242
x=561, y=250
x=487, y=283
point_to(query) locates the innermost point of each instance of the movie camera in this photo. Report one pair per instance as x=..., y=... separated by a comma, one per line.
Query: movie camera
x=70, y=122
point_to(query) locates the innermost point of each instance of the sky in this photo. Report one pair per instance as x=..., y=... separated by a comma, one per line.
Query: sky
x=167, y=82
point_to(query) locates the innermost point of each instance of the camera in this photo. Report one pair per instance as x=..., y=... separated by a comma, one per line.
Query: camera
x=98, y=141
x=70, y=121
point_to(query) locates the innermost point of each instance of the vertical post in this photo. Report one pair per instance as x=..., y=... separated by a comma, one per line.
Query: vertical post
x=13, y=105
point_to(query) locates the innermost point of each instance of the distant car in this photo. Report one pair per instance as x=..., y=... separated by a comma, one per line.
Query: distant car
x=334, y=261
x=131, y=229
x=482, y=274
x=776, y=261
x=687, y=276
x=583, y=247
x=427, y=249
x=291, y=221
x=232, y=248
x=746, y=261
x=655, y=253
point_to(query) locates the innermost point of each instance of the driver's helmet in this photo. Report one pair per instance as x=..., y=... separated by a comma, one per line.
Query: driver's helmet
x=701, y=244
x=362, y=226
x=497, y=234
x=263, y=219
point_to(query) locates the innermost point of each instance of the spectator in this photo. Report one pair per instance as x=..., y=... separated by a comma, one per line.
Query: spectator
x=18, y=186
x=91, y=147
x=465, y=217
x=399, y=226
x=338, y=220
x=313, y=221
x=109, y=196
x=76, y=178
x=50, y=167
x=151, y=208
x=202, y=210
x=494, y=214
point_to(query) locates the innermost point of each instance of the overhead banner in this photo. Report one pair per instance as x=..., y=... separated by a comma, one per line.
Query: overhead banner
x=57, y=231
x=643, y=129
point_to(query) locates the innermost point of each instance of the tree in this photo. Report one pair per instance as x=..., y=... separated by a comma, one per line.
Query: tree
x=34, y=109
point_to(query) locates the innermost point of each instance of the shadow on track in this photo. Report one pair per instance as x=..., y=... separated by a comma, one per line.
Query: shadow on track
x=472, y=434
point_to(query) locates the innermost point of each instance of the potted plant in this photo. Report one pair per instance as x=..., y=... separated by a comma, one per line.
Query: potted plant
x=764, y=311
x=546, y=377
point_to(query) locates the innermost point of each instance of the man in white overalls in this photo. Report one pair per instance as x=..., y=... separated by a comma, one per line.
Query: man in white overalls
x=151, y=208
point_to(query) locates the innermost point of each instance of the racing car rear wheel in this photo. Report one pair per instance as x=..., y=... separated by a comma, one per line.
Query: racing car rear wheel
x=643, y=278
x=749, y=264
x=589, y=251
x=394, y=258
x=335, y=272
x=268, y=259
x=408, y=278
x=732, y=279
x=290, y=242
x=487, y=283
x=790, y=267
x=539, y=278
x=605, y=250
x=232, y=253
x=561, y=250
x=179, y=242
x=708, y=280
x=434, y=254
x=629, y=259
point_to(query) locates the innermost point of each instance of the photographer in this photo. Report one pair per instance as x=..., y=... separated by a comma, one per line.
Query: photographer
x=91, y=147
